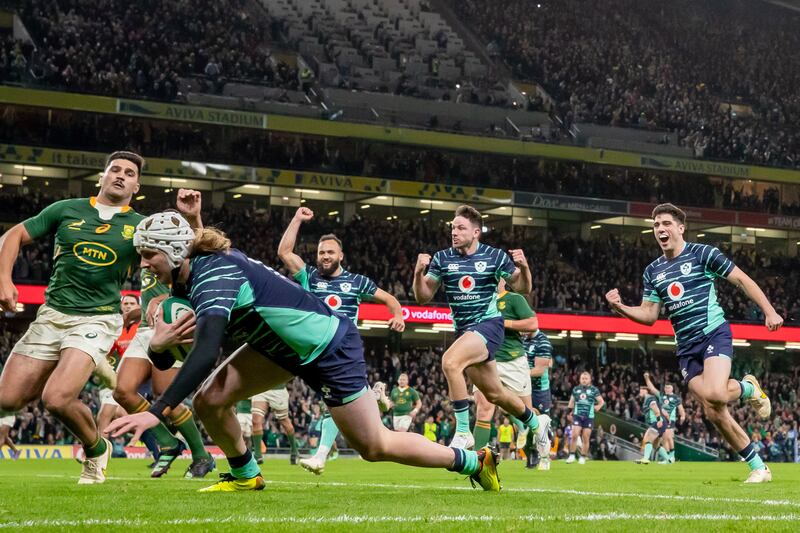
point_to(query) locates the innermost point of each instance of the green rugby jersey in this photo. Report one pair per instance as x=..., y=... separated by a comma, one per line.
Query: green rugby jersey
x=342, y=293
x=403, y=400
x=539, y=346
x=649, y=416
x=585, y=398
x=513, y=306
x=151, y=288
x=470, y=282
x=669, y=405
x=92, y=256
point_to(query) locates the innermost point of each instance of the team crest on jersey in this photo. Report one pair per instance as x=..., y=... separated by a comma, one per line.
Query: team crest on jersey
x=686, y=269
x=501, y=305
x=480, y=266
x=333, y=301
x=322, y=286
x=675, y=290
x=466, y=283
x=345, y=287
x=127, y=232
x=453, y=267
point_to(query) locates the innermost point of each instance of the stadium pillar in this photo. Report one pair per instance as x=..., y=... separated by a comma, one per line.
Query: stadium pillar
x=217, y=198
x=792, y=248
x=348, y=211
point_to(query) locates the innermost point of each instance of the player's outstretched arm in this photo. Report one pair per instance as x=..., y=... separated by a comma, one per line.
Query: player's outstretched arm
x=396, y=323
x=286, y=253
x=772, y=320
x=521, y=280
x=646, y=313
x=189, y=204
x=425, y=286
x=10, y=243
x=649, y=384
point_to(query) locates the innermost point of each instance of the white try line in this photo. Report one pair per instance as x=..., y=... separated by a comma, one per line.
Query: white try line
x=368, y=519
x=596, y=494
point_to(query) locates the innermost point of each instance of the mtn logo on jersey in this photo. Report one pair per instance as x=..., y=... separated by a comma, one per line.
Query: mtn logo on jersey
x=466, y=283
x=333, y=301
x=675, y=290
x=686, y=269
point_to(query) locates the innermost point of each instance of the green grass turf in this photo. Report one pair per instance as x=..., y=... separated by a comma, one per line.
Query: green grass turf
x=352, y=495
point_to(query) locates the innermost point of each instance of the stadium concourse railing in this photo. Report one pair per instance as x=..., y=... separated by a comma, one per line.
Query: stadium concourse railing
x=325, y=126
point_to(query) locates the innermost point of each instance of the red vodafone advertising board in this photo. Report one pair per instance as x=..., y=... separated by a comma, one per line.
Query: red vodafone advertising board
x=416, y=314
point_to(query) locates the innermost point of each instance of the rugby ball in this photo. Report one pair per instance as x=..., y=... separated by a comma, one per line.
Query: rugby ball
x=173, y=308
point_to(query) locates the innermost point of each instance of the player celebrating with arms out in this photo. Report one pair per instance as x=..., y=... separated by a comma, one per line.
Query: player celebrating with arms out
x=682, y=281
x=656, y=422
x=584, y=401
x=342, y=291
x=470, y=272
x=670, y=404
x=80, y=319
x=284, y=331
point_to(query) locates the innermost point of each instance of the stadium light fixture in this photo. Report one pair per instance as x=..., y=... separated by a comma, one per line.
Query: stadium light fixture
x=24, y=178
x=388, y=218
x=176, y=180
x=251, y=186
x=365, y=206
x=646, y=230
x=167, y=190
x=484, y=229
x=381, y=197
x=755, y=229
x=740, y=342
x=285, y=198
x=596, y=226
x=140, y=197
x=484, y=216
x=775, y=348
x=237, y=195
x=307, y=191
x=424, y=211
x=793, y=345
x=649, y=220
x=666, y=343
x=425, y=330
x=701, y=235
x=29, y=167
x=333, y=213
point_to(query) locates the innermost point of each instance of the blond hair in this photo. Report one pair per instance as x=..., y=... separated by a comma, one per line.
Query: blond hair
x=210, y=240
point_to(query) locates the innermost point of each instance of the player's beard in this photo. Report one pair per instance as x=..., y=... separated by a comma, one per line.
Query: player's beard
x=465, y=245
x=330, y=270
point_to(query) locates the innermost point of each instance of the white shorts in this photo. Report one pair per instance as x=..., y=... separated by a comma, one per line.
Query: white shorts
x=515, y=376
x=137, y=349
x=107, y=397
x=54, y=331
x=402, y=423
x=246, y=423
x=278, y=401
x=8, y=421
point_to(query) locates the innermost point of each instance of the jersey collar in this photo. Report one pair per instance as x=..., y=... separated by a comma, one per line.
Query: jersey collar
x=93, y=203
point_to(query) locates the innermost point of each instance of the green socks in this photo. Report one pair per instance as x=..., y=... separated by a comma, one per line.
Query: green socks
x=750, y=456
x=293, y=443
x=255, y=440
x=648, y=450
x=747, y=389
x=482, y=433
x=662, y=454
x=96, y=449
x=672, y=456
x=244, y=466
x=461, y=410
x=193, y=438
x=465, y=462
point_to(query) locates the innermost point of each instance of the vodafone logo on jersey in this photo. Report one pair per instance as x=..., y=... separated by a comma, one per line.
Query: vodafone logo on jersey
x=333, y=301
x=466, y=283
x=675, y=290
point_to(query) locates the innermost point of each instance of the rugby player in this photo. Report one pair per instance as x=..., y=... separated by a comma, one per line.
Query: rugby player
x=284, y=331
x=405, y=404
x=670, y=404
x=80, y=319
x=656, y=423
x=278, y=401
x=470, y=272
x=682, y=281
x=539, y=351
x=584, y=401
x=342, y=291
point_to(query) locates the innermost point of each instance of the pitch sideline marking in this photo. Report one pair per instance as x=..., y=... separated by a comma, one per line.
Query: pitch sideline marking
x=704, y=499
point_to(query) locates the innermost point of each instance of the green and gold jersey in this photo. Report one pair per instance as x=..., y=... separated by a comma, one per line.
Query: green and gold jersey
x=151, y=288
x=244, y=407
x=92, y=255
x=403, y=400
x=513, y=307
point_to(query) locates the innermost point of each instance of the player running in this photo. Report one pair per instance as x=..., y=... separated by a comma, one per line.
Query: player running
x=584, y=401
x=405, y=404
x=470, y=272
x=80, y=319
x=670, y=403
x=342, y=291
x=683, y=281
x=539, y=351
x=131, y=317
x=278, y=401
x=136, y=368
x=283, y=331
x=656, y=421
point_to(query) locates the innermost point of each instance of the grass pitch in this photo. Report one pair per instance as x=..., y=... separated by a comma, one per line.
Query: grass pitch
x=352, y=495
